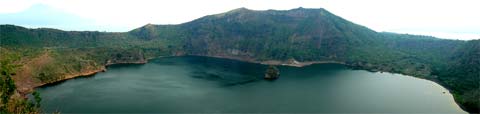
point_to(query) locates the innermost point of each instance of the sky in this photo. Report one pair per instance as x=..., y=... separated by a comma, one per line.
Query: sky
x=449, y=19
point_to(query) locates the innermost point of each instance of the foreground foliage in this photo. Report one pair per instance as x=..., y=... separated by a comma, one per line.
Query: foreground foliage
x=11, y=101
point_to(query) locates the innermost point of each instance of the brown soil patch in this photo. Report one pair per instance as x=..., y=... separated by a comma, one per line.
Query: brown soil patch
x=25, y=79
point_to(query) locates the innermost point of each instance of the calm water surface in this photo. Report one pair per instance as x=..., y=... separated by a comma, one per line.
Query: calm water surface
x=202, y=84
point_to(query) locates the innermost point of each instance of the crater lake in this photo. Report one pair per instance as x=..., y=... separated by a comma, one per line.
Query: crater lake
x=213, y=85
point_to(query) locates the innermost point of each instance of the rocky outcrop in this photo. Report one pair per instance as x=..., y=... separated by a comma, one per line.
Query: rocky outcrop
x=272, y=73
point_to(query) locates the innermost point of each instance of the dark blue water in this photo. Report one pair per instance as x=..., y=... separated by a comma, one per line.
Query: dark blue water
x=202, y=84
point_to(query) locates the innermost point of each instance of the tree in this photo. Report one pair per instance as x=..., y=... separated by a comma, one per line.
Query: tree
x=7, y=86
x=38, y=99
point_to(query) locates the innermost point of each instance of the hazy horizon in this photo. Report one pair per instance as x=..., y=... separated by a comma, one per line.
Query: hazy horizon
x=449, y=19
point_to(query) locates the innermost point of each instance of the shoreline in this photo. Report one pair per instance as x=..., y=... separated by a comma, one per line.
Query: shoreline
x=250, y=60
x=82, y=74
x=290, y=62
x=439, y=87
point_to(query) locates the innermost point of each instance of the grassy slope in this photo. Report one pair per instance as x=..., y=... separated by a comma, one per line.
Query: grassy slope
x=301, y=34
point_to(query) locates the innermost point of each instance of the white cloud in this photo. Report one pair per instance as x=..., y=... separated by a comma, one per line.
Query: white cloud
x=458, y=18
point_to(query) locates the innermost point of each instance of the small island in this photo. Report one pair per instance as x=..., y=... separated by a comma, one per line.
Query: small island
x=272, y=73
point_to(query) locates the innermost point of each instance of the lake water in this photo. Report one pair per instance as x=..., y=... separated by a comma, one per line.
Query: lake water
x=203, y=84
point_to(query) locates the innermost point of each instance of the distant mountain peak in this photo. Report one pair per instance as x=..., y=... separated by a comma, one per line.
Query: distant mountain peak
x=40, y=15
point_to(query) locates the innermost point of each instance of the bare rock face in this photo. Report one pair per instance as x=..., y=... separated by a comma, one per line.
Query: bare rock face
x=292, y=61
x=272, y=73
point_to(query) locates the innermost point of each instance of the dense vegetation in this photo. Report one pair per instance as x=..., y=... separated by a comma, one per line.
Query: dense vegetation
x=10, y=101
x=49, y=55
